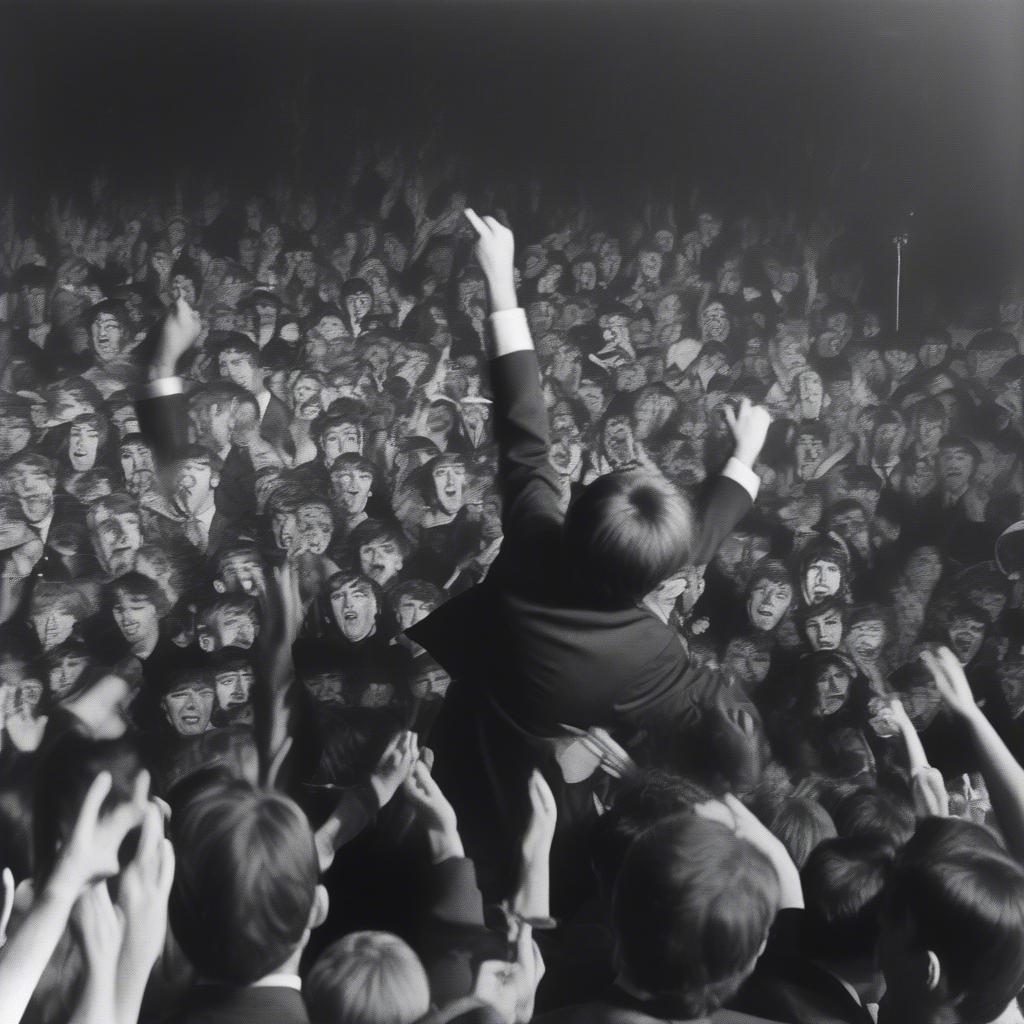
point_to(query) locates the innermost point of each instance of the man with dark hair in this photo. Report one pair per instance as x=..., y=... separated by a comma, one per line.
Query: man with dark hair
x=692, y=907
x=246, y=896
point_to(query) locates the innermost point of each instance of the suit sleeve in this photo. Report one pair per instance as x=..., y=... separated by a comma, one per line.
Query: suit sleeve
x=163, y=417
x=730, y=499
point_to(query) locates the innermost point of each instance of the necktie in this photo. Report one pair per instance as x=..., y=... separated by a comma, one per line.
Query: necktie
x=195, y=532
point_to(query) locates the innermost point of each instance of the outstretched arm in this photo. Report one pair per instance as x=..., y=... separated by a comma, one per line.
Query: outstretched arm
x=1000, y=770
x=530, y=490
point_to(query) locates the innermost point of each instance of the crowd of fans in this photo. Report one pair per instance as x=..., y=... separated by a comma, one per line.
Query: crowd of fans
x=249, y=443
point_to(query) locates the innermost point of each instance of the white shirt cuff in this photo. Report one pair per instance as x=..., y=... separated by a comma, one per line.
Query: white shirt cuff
x=744, y=476
x=511, y=332
x=162, y=387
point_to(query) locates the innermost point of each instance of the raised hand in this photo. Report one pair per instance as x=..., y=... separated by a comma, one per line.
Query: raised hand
x=749, y=426
x=178, y=334
x=395, y=766
x=540, y=830
x=495, y=251
x=91, y=852
x=510, y=988
x=7, y=907
x=948, y=676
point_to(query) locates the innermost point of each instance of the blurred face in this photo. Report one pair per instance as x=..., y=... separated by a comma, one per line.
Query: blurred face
x=117, y=538
x=381, y=560
x=714, y=322
x=747, y=664
x=188, y=708
x=65, y=674
x=355, y=610
x=53, y=625
x=618, y=441
x=822, y=579
x=194, y=484
x=825, y=631
x=852, y=526
x=591, y=394
x=183, y=287
x=15, y=434
x=682, y=589
x=585, y=276
x=30, y=693
x=138, y=468
x=810, y=450
x=351, y=489
x=326, y=687
x=449, y=484
x=767, y=603
x=1011, y=681
x=285, y=527
x=650, y=265
x=342, y=438
x=966, y=637
x=67, y=405
x=708, y=227
x=107, y=336
x=239, y=368
x=610, y=259
x=865, y=639
x=83, y=443
x=234, y=627
x=412, y=610
x=316, y=526
x=431, y=684
x=136, y=617
x=922, y=703
x=565, y=454
x=34, y=490
x=955, y=468
x=921, y=480
x=233, y=686
x=243, y=572
x=306, y=398
x=833, y=685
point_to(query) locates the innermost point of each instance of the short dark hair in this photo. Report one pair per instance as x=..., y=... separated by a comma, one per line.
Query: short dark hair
x=842, y=882
x=244, y=883
x=966, y=906
x=692, y=908
x=880, y=813
x=801, y=824
x=135, y=584
x=625, y=534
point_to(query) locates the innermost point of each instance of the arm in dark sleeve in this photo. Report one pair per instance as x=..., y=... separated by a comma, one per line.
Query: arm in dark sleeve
x=731, y=496
x=163, y=421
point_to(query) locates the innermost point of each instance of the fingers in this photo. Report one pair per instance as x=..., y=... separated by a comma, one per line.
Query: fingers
x=478, y=225
x=90, y=811
x=8, y=904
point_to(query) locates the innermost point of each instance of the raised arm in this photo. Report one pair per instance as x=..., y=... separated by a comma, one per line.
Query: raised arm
x=529, y=486
x=163, y=418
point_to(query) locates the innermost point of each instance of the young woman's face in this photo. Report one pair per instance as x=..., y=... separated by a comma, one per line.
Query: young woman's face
x=767, y=603
x=83, y=443
x=833, y=685
x=822, y=579
x=65, y=674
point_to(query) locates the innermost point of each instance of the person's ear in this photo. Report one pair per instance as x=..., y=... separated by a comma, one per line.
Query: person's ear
x=165, y=707
x=934, y=971
x=206, y=644
x=318, y=912
x=214, y=481
x=219, y=587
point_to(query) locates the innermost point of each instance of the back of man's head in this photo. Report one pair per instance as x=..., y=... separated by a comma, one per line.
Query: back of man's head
x=245, y=882
x=625, y=534
x=960, y=910
x=693, y=905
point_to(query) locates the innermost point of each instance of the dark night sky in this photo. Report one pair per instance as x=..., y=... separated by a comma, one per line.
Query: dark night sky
x=606, y=93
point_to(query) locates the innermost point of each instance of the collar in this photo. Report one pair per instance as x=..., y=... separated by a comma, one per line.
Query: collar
x=43, y=526
x=263, y=400
x=292, y=981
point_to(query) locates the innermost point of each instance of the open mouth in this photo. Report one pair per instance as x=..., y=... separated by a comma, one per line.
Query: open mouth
x=350, y=616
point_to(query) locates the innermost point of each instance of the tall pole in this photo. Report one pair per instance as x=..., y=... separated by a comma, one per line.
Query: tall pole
x=899, y=241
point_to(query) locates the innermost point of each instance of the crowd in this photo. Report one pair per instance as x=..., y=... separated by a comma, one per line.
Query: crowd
x=405, y=621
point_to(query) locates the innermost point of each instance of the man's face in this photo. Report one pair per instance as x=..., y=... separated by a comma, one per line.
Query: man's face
x=708, y=227
x=342, y=438
x=239, y=368
x=233, y=686
x=836, y=333
x=825, y=631
x=136, y=617
x=242, y=571
x=430, y=684
x=194, y=484
x=233, y=627
x=565, y=454
x=921, y=480
x=922, y=703
x=747, y=663
x=865, y=639
x=284, y=526
x=412, y=610
x=1011, y=681
x=315, y=527
x=585, y=276
x=714, y=322
x=955, y=468
x=117, y=537
x=833, y=685
x=591, y=394
x=449, y=484
x=107, y=337
x=53, y=625
x=928, y=433
x=33, y=487
x=189, y=706
x=822, y=579
x=65, y=674
x=359, y=305
x=351, y=488
x=15, y=434
x=810, y=450
x=83, y=442
x=966, y=636
x=183, y=287
x=138, y=468
x=650, y=265
x=381, y=559
x=767, y=603
x=326, y=687
x=306, y=398
x=852, y=526
x=355, y=610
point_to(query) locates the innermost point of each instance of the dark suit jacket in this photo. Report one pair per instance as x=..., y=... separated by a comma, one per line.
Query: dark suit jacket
x=541, y=655
x=164, y=423
x=620, y=1008
x=274, y=425
x=212, y=1004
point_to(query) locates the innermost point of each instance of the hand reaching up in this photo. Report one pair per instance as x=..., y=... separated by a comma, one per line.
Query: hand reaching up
x=495, y=251
x=749, y=425
x=178, y=334
x=395, y=766
x=434, y=812
x=948, y=675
